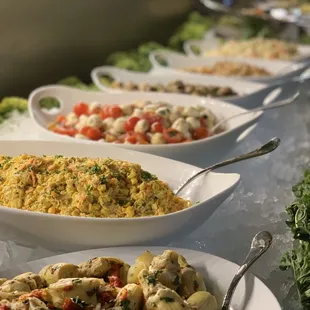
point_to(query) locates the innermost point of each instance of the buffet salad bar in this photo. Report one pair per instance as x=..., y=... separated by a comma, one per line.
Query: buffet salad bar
x=94, y=172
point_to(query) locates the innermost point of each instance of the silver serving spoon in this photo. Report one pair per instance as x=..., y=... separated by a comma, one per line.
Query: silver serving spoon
x=260, y=244
x=275, y=105
x=264, y=149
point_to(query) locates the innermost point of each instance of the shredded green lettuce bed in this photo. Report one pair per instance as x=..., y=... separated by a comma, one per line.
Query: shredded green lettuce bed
x=298, y=259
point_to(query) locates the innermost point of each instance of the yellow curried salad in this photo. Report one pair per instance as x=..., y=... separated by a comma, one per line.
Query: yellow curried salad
x=86, y=187
x=162, y=282
x=256, y=48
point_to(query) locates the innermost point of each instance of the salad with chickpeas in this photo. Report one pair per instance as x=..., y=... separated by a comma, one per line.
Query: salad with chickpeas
x=141, y=122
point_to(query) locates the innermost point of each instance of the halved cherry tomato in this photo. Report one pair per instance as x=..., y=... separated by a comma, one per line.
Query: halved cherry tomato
x=93, y=133
x=200, y=133
x=131, y=123
x=172, y=136
x=65, y=131
x=70, y=305
x=81, y=108
x=131, y=139
x=96, y=110
x=84, y=130
x=105, y=112
x=157, y=127
x=60, y=119
x=116, y=111
x=151, y=117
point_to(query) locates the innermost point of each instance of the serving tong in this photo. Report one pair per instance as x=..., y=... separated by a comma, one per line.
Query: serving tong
x=263, y=150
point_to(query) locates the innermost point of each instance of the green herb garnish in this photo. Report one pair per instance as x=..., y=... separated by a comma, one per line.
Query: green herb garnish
x=103, y=180
x=151, y=280
x=167, y=299
x=76, y=281
x=95, y=169
x=146, y=176
x=125, y=304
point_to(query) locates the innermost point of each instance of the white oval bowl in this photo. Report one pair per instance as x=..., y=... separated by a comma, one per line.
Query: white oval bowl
x=242, y=88
x=282, y=70
x=77, y=233
x=211, y=42
x=251, y=293
x=201, y=152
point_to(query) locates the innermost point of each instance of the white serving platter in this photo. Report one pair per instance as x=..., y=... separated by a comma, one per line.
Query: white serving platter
x=206, y=151
x=251, y=293
x=72, y=233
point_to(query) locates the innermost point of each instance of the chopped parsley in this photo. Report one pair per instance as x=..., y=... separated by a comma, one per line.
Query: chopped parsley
x=58, y=156
x=76, y=281
x=95, y=169
x=125, y=304
x=146, y=176
x=151, y=279
x=172, y=133
x=103, y=180
x=122, y=202
x=167, y=299
x=77, y=300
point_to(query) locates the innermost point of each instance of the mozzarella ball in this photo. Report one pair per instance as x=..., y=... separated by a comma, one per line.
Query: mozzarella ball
x=94, y=121
x=71, y=119
x=180, y=125
x=82, y=122
x=108, y=123
x=119, y=124
x=142, y=126
x=191, y=111
x=158, y=138
x=126, y=108
x=163, y=112
x=94, y=105
x=193, y=122
x=137, y=112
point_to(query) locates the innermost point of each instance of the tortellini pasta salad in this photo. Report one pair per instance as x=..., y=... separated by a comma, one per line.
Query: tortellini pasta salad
x=165, y=281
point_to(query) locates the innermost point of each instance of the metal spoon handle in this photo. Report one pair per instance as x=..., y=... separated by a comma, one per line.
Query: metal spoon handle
x=264, y=149
x=260, y=244
x=262, y=108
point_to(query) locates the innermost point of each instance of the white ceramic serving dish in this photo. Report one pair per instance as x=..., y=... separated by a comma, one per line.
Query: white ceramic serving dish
x=210, y=41
x=242, y=88
x=199, y=152
x=282, y=70
x=76, y=233
x=251, y=293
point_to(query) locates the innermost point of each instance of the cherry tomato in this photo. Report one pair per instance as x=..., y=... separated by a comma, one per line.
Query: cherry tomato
x=60, y=119
x=84, y=130
x=105, y=112
x=131, y=123
x=172, y=136
x=157, y=127
x=116, y=111
x=81, y=108
x=70, y=305
x=131, y=139
x=93, y=133
x=187, y=140
x=65, y=131
x=151, y=117
x=4, y=307
x=97, y=110
x=200, y=133
x=115, y=281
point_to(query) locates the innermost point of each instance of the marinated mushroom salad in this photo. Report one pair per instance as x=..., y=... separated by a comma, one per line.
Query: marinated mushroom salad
x=227, y=68
x=86, y=187
x=178, y=87
x=165, y=281
x=256, y=48
x=142, y=122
